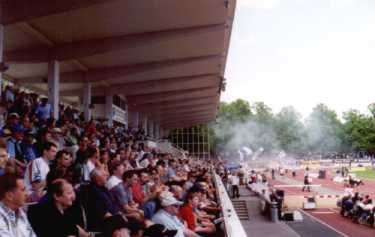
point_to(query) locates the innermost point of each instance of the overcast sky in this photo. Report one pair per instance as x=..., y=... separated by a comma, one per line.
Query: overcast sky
x=303, y=52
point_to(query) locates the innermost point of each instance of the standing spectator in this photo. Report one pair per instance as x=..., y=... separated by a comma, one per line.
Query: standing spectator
x=44, y=110
x=13, y=221
x=9, y=94
x=306, y=182
x=234, y=180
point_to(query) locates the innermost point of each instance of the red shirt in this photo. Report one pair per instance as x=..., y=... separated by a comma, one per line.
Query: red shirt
x=137, y=192
x=187, y=214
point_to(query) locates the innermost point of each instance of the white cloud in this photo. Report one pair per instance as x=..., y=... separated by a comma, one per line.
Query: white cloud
x=262, y=4
x=341, y=3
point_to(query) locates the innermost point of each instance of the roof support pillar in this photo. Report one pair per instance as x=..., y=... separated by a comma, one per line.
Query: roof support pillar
x=144, y=123
x=157, y=130
x=87, y=101
x=54, y=86
x=161, y=132
x=109, y=108
x=1, y=55
x=150, y=126
x=133, y=118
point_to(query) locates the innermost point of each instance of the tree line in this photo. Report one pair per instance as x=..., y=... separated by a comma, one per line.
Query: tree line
x=240, y=124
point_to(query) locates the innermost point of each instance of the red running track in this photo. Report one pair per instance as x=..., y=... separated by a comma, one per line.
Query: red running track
x=344, y=225
x=368, y=188
x=289, y=190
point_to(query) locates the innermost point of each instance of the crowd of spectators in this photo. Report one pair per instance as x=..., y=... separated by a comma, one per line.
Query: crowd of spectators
x=359, y=208
x=67, y=177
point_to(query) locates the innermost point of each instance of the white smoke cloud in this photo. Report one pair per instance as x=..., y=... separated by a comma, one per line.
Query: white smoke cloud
x=262, y=4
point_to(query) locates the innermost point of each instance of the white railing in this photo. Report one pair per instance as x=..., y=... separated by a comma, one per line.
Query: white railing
x=233, y=225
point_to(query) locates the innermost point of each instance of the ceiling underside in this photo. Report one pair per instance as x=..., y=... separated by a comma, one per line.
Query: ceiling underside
x=166, y=57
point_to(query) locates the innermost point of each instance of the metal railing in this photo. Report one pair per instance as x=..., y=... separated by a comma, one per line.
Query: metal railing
x=233, y=225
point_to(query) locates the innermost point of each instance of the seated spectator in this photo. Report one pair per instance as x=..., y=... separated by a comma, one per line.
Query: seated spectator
x=13, y=221
x=14, y=148
x=58, y=218
x=124, y=197
x=117, y=170
x=188, y=215
x=28, y=148
x=99, y=203
x=168, y=215
x=37, y=170
x=63, y=165
x=90, y=163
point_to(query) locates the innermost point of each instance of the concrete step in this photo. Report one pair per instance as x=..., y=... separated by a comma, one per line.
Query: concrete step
x=241, y=209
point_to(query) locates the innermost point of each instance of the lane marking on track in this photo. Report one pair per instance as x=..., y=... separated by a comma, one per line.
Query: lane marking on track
x=335, y=211
x=323, y=223
x=323, y=212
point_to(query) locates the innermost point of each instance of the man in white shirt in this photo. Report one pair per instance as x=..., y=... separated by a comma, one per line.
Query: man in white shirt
x=13, y=220
x=116, y=169
x=37, y=170
x=90, y=164
x=234, y=180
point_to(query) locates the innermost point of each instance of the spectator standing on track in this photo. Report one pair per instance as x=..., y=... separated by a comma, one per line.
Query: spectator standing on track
x=234, y=180
x=306, y=182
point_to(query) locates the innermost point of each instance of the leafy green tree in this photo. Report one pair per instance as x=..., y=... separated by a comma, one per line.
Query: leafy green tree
x=290, y=130
x=359, y=131
x=324, y=130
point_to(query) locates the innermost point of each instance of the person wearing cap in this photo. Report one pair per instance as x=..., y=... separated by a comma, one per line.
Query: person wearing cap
x=28, y=147
x=14, y=147
x=168, y=215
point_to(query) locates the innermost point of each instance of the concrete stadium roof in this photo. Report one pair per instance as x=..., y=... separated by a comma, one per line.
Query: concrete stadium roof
x=166, y=57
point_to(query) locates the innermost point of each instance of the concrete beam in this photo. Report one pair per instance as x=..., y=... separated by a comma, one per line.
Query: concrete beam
x=172, y=96
x=142, y=88
x=91, y=47
x=185, y=124
x=187, y=116
x=13, y=11
x=111, y=73
x=173, y=104
x=208, y=107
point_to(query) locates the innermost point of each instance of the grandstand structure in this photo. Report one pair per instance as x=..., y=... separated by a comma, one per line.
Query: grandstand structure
x=154, y=65
x=163, y=60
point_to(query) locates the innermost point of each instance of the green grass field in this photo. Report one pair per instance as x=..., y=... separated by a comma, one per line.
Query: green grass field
x=366, y=174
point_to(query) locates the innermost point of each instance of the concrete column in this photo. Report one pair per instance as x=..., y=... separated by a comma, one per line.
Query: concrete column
x=161, y=132
x=109, y=108
x=54, y=86
x=166, y=132
x=133, y=118
x=144, y=123
x=150, y=126
x=126, y=117
x=1, y=55
x=157, y=130
x=87, y=101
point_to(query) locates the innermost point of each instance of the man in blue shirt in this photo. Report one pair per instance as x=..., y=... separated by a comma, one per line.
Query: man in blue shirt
x=44, y=110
